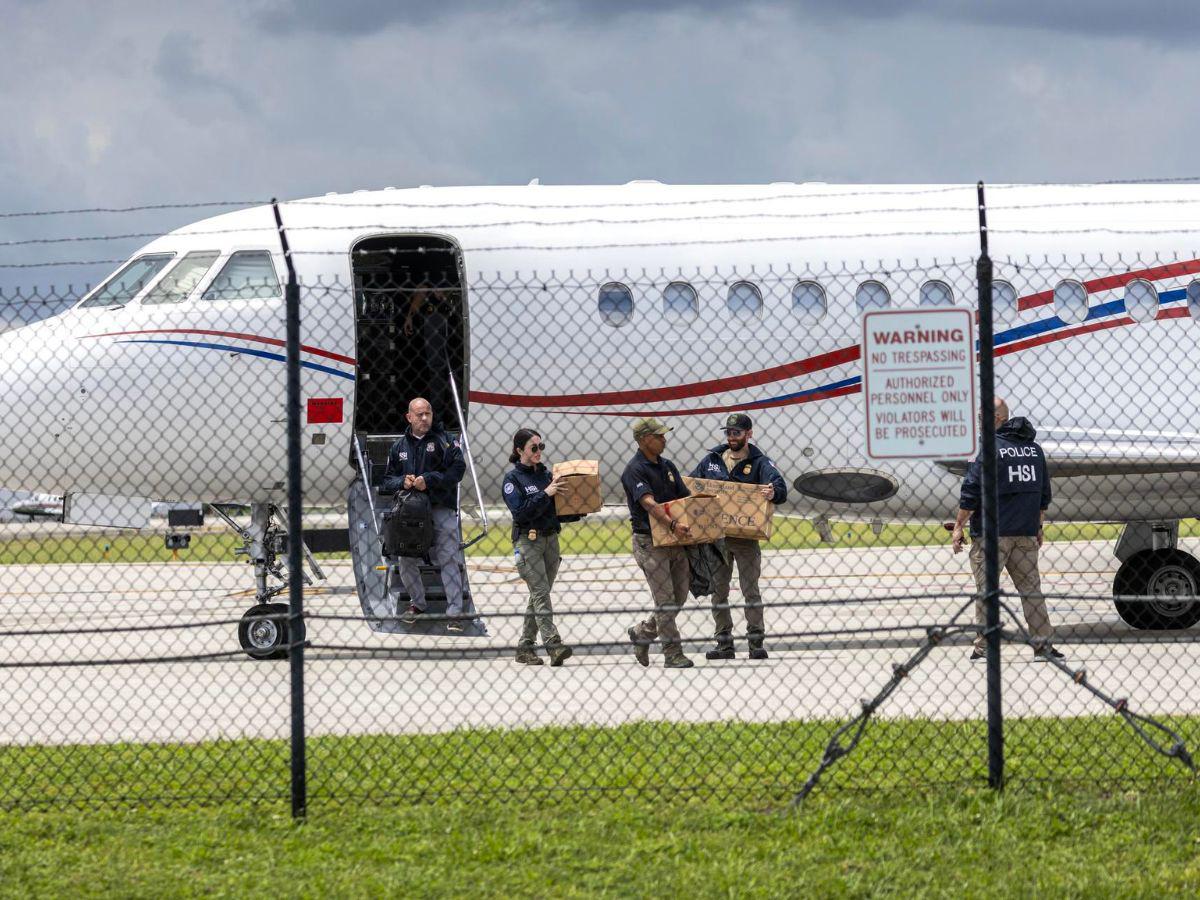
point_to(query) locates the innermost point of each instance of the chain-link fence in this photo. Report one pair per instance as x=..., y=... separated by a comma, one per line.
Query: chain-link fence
x=475, y=624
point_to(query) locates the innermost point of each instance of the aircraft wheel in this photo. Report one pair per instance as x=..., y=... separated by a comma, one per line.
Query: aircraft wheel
x=262, y=637
x=1171, y=578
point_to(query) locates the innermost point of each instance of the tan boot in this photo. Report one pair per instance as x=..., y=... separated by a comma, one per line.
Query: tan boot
x=560, y=653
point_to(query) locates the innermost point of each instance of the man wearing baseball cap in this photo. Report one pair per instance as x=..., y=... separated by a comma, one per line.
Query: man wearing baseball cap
x=739, y=460
x=650, y=480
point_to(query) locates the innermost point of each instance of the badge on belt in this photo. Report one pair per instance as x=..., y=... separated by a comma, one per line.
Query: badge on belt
x=533, y=534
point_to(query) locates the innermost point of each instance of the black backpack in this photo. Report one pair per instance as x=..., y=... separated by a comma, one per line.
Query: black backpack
x=408, y=526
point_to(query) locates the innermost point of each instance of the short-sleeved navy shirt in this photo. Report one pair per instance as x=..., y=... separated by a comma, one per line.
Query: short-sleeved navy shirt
x=659, y=479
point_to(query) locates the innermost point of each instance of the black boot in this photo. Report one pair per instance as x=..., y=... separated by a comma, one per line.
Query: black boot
x=723, y=650
x=756, y=647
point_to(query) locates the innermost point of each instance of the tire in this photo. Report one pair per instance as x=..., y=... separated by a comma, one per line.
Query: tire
x=265, y=638
x=1169, y=580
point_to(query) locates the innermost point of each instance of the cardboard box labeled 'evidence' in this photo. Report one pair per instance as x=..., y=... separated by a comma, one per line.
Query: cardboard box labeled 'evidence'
x=745, y=512
x=699, y=512
x=581, y=477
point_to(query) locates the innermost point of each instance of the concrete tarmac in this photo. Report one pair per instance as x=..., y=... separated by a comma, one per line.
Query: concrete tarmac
x=849, y=614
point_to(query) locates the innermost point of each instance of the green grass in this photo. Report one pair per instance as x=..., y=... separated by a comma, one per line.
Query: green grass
x=519, y=813
x=578, y=538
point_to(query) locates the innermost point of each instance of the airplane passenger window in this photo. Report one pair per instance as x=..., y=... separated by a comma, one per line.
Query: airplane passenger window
x=936, y=293
x=1004, y=302
x=1141, y=300
x=182, y=279
x=680, y=301
x=808, y=300
x=1070, y=302
x=128, y=282
x=872, y=295
x=249, y=275
x=744, y=299
x=615, y=304
x=1193, y=299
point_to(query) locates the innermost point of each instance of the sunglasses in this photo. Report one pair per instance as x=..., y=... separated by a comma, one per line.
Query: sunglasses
x=734, y=432
x=536, y=448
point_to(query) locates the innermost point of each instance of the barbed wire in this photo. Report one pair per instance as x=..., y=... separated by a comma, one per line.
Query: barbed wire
x=569, y=223
x=128, y=209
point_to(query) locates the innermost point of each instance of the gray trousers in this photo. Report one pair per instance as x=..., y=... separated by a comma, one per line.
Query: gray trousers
x=667, y=572
x=747, y=554
x=537, y=564
x=1019, y=555
x=446, y=555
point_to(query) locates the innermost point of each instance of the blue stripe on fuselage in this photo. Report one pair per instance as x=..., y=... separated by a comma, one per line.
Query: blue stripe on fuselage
x=244, y=350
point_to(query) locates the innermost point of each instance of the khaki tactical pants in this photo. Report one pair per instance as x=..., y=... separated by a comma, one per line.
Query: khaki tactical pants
x=537, y=564
x=666, y=570
x=748, y=556
x=1019, y=555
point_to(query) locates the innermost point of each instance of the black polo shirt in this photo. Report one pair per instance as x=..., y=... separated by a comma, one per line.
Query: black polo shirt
x=659, y=479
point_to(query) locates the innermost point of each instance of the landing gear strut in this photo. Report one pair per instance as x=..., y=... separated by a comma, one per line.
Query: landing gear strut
x=263, y=630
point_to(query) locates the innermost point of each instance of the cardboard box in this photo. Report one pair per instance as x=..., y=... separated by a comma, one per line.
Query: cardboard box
x=700, y=512
x=745, y=513
x=581, y=477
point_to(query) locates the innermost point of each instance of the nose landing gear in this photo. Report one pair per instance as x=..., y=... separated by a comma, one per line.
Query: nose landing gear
x=264, y=631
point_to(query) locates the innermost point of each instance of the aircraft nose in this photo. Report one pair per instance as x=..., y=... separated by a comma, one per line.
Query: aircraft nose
x=34, y=396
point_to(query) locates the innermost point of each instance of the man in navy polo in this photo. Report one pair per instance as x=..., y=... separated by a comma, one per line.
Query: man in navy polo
x=739, y=460
x=650, y=481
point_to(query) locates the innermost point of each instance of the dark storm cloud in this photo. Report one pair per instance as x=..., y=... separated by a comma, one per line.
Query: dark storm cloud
x=1158, y=19
x=358, y=17
x=132, y=103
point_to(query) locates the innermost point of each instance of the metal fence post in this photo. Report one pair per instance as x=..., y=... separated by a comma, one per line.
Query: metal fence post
x=989, y=512
x=299, y=785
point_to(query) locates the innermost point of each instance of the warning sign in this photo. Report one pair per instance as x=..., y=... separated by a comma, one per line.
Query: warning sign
x=919, y=383
x=325, y=411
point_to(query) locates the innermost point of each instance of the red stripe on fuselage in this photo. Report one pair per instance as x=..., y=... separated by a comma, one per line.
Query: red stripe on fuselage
x=678, y=392
x=732, y=407
x=1108, y=282
x=275, y=342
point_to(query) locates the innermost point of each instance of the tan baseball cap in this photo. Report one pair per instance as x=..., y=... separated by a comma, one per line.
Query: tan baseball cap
x=648, y=426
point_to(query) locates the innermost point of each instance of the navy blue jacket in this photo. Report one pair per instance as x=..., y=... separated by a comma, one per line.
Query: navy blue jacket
x=436, y=457
x=1022, y=482
x=527, y=500
x=754, y=469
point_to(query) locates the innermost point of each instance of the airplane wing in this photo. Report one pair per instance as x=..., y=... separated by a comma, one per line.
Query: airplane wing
x=1075, y=455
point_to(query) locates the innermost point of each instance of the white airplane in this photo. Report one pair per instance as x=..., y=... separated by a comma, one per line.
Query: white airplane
x=38, y=506
x=583, y=307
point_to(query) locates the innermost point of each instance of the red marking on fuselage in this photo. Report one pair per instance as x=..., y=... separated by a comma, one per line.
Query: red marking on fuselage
x=1108, y=282
x=677, y=392
x=275, y=342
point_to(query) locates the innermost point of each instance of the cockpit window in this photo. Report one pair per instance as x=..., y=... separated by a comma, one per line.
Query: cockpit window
x=178, y=283
x=128, y=282
x=249, y=275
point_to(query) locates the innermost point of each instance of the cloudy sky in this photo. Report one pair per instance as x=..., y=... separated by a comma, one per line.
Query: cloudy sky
x=125, y=103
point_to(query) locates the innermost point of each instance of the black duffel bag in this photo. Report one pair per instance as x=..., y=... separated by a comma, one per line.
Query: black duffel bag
x=408, y=525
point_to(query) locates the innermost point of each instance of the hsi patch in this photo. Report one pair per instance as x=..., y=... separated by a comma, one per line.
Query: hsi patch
x=429, y=448
x=531, y=489
x=508, y=487
x=403, y=454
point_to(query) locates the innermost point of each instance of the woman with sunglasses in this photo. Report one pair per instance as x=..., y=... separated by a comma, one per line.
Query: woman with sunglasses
x=529, y=491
